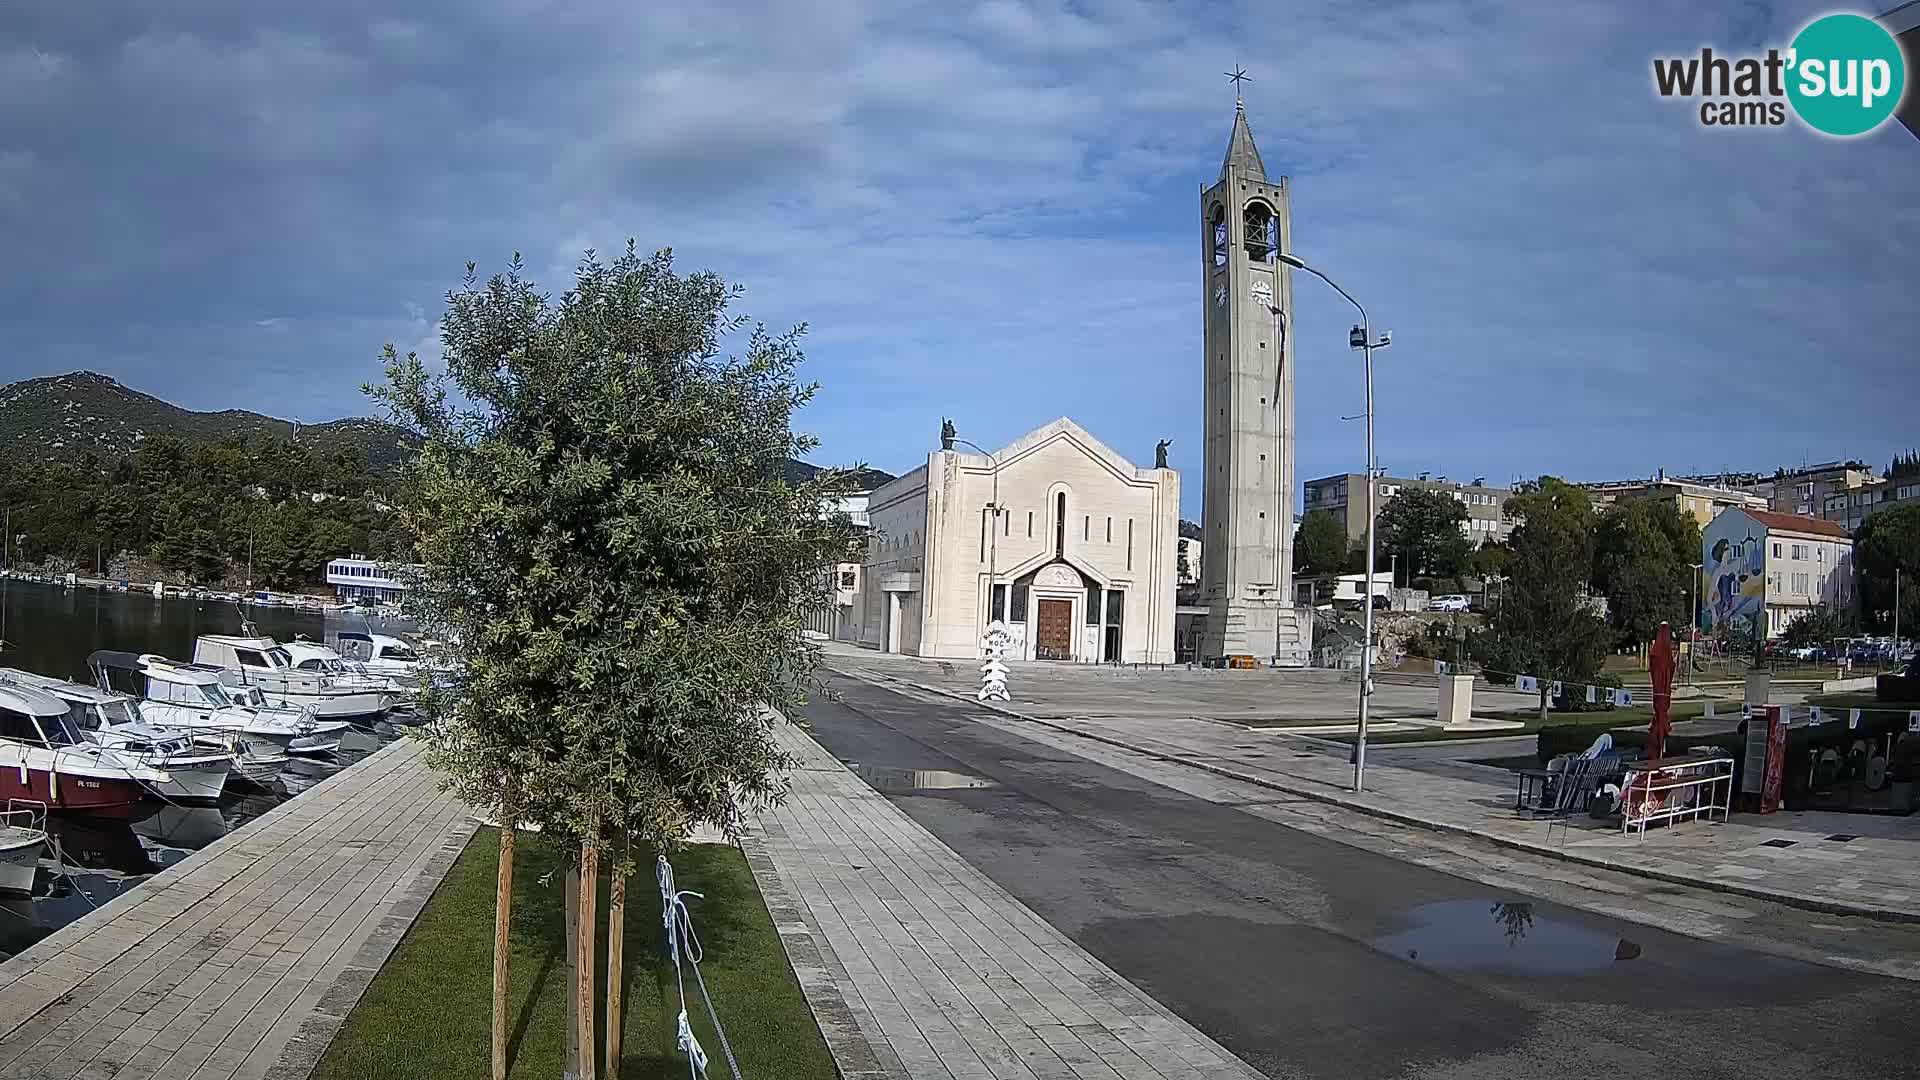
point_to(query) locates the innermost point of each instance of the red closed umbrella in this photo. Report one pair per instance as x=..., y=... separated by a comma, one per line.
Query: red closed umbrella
x=1660, y=665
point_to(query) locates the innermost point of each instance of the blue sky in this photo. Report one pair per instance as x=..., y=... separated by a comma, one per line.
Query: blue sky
x=988, y=211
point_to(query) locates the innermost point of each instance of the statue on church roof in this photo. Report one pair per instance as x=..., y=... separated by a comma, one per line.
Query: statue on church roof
x=1160, y=453
x=947, y=432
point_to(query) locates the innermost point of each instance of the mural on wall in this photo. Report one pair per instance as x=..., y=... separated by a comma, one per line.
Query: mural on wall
x=1736, y=580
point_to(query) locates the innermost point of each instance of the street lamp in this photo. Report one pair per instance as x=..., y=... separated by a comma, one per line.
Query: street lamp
x=1360, y=337
x=993, y=532
x=1693, y=617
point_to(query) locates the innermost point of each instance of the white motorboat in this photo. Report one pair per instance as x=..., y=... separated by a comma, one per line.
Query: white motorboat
x=322, y=738
x=259, y=661
x=23, y=839
x=193, y=699
x=44, y=760
x=198, y=772
x=396, y=677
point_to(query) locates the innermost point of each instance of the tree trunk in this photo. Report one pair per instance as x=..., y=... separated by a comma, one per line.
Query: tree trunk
x=1543, y=701
x=572, y=1064
x=502, y=918
x=616, y=942
x=583, y=970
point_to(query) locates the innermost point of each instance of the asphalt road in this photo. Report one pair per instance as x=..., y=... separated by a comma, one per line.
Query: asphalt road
x=1307, y=957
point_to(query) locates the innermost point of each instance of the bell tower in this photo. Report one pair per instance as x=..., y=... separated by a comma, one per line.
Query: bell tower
x=1247, y=512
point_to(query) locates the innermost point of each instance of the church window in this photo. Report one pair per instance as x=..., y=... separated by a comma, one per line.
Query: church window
x=1029, y=524
x=1262, y=236
x=1217, y=224
x=1109, y=530
x=1093, y=606
x=1086, y=527
x=999, y=603
x=1006, y=522
x=1060, y=526
x=1129, y=543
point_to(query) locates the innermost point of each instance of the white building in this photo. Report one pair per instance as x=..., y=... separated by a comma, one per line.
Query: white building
x=1758, y=564
x=1083, y=556
x=359, y=578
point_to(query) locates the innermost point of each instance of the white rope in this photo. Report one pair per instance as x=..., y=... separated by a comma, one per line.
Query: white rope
x=683, y=942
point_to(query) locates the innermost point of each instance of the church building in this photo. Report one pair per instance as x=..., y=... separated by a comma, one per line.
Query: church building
x=1069, y=543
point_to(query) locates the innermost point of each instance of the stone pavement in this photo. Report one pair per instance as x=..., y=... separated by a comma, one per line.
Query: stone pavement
x=1784, y=857
x=1051, y=690
x=919, y=966
x=241, y=960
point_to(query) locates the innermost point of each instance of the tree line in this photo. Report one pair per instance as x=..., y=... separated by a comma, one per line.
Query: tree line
x=199, y=512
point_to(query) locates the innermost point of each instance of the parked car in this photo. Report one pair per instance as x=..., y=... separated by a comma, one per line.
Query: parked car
x=1452, y=602
x=1381, y=603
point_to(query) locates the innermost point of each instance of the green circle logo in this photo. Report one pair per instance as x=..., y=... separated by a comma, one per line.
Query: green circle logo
x=1847, y=74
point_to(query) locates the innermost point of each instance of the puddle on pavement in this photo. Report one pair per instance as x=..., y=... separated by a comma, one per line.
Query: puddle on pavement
x=1509, y=937
x=885, y=779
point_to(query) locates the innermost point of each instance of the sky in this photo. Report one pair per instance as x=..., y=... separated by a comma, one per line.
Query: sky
x=984, y=211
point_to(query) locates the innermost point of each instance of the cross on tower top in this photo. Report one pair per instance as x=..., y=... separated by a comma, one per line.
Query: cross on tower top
x=1237, y=76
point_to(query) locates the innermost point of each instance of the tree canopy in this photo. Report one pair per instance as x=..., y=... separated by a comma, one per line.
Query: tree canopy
x=1544, y=624
x=1422, y=526
x=607, y=531
x=1644, y=551
x=1320, y=547
x=1887, y=541
x=190, y=509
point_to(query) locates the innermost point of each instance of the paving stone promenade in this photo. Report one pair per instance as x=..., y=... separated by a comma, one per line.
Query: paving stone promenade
x=241, y=960
x=921, y=967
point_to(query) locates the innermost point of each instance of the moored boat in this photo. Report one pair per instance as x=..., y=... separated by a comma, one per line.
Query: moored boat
x=23, y=839
x=43, y=759
x=251, y=660
x=197, y=772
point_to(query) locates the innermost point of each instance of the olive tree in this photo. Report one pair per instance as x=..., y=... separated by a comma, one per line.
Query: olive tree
x=611, y=541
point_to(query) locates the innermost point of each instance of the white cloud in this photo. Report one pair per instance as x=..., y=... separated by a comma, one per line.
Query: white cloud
x=991, y=211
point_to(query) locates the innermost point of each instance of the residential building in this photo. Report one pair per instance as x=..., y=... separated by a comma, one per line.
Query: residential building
x=840, y=618
x=357, y=577
x=1081, y=564
x=1849, y=509
x=1703, y=501
x=1769, y=568
x=1345, y=496
x=1804, y=492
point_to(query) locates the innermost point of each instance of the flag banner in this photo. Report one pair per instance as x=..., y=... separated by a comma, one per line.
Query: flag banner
x=1853, y=718
x=1816, y=716
x=1527, y=684
x=1593, y=694
x=1557, y=690
x=1913, y=720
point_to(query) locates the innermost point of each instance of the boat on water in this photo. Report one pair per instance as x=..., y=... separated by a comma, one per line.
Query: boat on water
x=194, y=699
x=43, y=759
x=255, y=660
x=23, y=839
x=198, y=769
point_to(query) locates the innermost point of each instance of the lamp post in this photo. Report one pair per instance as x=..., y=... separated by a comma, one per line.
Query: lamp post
x=1361, y=337
x=993, y=532
x=1693, y=617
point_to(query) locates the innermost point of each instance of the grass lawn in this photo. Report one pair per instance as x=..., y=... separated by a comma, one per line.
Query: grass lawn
x=427, y=1013
x=1594, y=721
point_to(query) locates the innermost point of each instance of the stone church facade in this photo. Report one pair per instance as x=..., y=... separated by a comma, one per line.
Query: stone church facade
x=1079, y=561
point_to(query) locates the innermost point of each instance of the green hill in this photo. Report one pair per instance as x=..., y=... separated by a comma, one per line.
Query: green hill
x=63, y=417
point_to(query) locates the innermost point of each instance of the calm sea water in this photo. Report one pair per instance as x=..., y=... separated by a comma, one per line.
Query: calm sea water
x=52, y=630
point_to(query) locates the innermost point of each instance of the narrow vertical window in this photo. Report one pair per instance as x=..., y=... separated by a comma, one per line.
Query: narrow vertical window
x=1086, y=527
x=1029, y=524
x=1129, y=543
x=1109, y=530
x=1060, y=526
